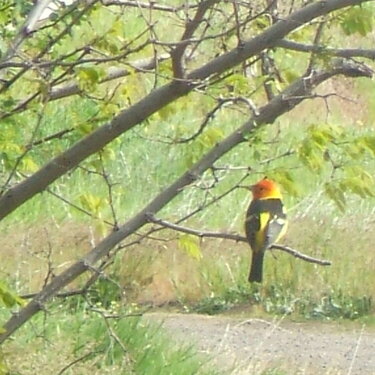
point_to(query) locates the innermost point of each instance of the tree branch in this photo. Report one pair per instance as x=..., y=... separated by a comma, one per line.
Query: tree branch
x=211, y=114
x=234, y=237
x=152, y=5
x=339, y=52
x=72, y=88
x=70, y=293
x=114, y=73
x=191, y=26
x=300, y=255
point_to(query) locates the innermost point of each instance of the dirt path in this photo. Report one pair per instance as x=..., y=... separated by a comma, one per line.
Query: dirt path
x=251, y=346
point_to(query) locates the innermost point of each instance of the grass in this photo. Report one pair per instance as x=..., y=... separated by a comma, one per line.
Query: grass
x=82, y=341
x=162, y=273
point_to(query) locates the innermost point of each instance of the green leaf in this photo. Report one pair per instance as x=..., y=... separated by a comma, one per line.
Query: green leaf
x=359, y=19
x=85, y=127
x=92, y=202
x=358, y=181
x=238, y=84
x=263, y=22
x=286, y=180
x=336, y=193
x=319, y=138
x=29, y=165
x=8, y=297
x=368, y=143
x=210, y=137
x=108, y=109
x=290, y=75
x=190, y=244
x=310, y=156
x=88, y=77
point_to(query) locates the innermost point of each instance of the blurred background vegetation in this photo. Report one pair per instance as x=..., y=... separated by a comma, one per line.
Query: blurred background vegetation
x=321, y=153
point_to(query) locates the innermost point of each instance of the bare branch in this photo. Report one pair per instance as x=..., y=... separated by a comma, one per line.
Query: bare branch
x=69, y=293
x=110, y=186
x=235, y=237
x=267, y=71
x=211, y=114
x=82, y=358
x=237, y=24
x=58, y=135
x=191, y=26
x=143, y=65
x=199, y=233
x=300, y=255
x=340, y=52
x=317, y=39
x=80, y=209
x=152, y=5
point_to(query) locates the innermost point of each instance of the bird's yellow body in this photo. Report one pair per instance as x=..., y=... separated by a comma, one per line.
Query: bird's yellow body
x=265, y=223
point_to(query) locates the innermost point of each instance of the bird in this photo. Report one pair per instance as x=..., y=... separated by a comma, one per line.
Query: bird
x=265, y=223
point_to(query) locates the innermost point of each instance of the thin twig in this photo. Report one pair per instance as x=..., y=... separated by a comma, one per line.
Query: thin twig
x=79, y=359
x=110, y=186
x=70, y=293
x=298, y=254
x=317, y=39
x=152, y=5
x=340, y=52
x=75, y=206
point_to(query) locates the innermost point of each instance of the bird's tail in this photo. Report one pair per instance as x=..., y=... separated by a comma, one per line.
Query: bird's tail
x=256, y=270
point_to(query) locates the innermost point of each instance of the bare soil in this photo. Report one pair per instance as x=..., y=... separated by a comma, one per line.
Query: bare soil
x=256, y=346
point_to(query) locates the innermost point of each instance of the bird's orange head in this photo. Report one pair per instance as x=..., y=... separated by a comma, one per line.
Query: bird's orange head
x=265, y=189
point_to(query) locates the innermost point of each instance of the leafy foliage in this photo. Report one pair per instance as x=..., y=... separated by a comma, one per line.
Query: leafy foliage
x=190, y=244
x=359, y=19
x=8, y=298
x=280, y=300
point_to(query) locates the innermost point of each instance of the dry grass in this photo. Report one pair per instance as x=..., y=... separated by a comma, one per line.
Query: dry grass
x=34, y=250
x=158, y=273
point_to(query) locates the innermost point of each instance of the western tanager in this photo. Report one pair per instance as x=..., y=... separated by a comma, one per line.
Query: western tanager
x=265, y=223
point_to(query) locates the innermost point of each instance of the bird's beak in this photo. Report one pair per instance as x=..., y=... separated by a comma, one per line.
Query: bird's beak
x=248, y=187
